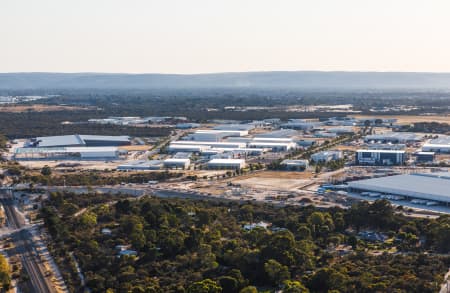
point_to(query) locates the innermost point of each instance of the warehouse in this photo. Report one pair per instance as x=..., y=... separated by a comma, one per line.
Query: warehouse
x=57, y=141
x=239, y=139
x=272, y=139
x=212, y=144
x=301, y=125
x=205, y=136
x=187, y=125
x=141, y=165
x=341, y=130
x=214, y=135
x=177, y=163
x=428, y=187
x=274, y=146
x=67, y=153
x=194, y=148
x=325, y=134
x=282, y=133
x=380, y=157
x=438, y=145
x=104, y=140
x=295, y=165
x=235, y=127
x=79, y=140
x=226, y=164
x=393, y=137
x=424, y=157
x=326, y=156
x=242, y=151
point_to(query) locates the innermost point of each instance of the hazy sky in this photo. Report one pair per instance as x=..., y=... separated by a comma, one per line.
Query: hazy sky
x=195, y=36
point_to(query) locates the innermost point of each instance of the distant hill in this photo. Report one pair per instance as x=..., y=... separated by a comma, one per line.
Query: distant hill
x=244, y=80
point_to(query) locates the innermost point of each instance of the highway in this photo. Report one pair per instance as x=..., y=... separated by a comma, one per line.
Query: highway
x=26, y=251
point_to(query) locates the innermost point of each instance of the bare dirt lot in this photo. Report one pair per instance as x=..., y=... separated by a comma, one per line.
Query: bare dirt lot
x=40, y=108
x=275, y=180
x=408, y=119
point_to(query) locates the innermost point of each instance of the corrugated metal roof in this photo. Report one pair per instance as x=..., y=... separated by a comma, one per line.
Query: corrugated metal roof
x=76, y=140
x=382, y=151
x=425, y=186
x=123, y=138
x=226, y=161
x=61, y=140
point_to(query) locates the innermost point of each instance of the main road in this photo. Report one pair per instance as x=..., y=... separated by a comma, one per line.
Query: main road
x=24, y=248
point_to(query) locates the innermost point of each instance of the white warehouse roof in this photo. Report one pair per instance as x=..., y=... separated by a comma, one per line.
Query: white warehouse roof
x=424, y=186
x=61, y=140
x=382, y=151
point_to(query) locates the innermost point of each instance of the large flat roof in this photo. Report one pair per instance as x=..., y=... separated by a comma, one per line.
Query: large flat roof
x=49, y=150
x=424, y=186
x=76, y=140
x=226, y=161
x=124, y=138
x=61, y=140
x=393, y=135
x=381, y=151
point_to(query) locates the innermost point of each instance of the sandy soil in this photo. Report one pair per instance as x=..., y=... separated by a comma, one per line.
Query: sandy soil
x=407, y=119
x=39, y=108
x=272, y=183
x=279, y=174
x=275, y=180
x=135, y=148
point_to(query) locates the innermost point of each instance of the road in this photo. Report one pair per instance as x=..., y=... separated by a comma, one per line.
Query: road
x=156, y=149
x=24, y=248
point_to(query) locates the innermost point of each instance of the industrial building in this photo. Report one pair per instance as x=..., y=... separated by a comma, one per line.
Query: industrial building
x=394, y=137
x=325, y=134
x=427, y=187
x=386, y=146
x=226, y=164
x=177, y=163
x=241, y=151
x=438, y=145
x=216, y=144
x=67, y=153
x=326, y=156
x=142, y=165
x=300, y=125
x=295, y=165
x=380, y=157
x=187, y=125
x=341, y=130
x=194, y=148
x=274, y=146
x=214, y=135
x=306, y=142
x=282, y=133
x=272, y=139
x=424, y=157
x=235, y=127
x=79, y=140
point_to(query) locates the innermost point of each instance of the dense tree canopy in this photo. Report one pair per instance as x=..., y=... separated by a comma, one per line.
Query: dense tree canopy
x=201, y=246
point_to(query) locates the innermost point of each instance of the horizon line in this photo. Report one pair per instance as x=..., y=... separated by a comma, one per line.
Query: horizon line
x=227, y=72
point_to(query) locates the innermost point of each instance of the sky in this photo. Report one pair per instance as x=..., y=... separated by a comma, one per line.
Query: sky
x=201, y=36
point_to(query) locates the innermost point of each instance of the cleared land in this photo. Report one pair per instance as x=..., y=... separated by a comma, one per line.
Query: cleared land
x=275, y=180
x=407, y=119
x=40, y=108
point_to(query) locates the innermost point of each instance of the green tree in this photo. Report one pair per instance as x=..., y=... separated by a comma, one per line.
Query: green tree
x=204, y=286
x=294, y=287
x=5, y=273
x=276, y=272
x=249, y=289
x=88, y=219
x=46, y=171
